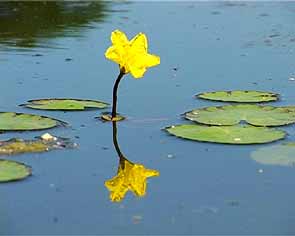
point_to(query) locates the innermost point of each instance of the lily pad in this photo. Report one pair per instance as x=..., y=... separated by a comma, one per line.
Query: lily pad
x=65, y=104
x=10, y=121
x=239, y=96
x=17, y=146
x=283, y=155
x=227, y=134
x=12, y=171
x=252, y=114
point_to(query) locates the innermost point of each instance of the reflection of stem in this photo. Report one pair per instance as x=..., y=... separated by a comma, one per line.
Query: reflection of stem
x=115, y=141
x=115, y=89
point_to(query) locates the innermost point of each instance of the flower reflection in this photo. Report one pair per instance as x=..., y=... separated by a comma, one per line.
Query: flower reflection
x=130, y=176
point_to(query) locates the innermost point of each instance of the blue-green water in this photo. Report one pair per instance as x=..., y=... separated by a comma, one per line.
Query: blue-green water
x=202, y=188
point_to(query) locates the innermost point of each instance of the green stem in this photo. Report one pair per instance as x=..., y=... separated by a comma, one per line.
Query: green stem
x=115, y=90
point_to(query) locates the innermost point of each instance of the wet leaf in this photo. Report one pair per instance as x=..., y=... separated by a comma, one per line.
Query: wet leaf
x=12, y=171
x=283, y=155
x=65, y=104
x=239, y=96
x=10, y=121
x=227, y=134
x=41, y=144
x=252, y=114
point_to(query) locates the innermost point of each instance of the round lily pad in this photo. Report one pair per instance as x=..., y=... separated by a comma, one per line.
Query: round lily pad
x=252, y=114
x=239, y=96
x=283, y=155
x=65, y=104
x=227, y=134
x=12, y=171
x=10, y=121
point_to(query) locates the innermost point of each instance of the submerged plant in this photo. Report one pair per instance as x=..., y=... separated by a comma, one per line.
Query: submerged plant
x=130, y=176
x=44, y=143
x=132, y=57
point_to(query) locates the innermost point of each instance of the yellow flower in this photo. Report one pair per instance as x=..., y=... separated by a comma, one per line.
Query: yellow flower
x=132, y=56
x=130, y=177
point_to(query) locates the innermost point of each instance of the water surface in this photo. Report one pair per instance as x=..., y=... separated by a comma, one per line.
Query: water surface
x=57, y=50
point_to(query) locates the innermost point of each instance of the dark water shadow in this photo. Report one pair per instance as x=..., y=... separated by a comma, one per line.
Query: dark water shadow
x=26, y=24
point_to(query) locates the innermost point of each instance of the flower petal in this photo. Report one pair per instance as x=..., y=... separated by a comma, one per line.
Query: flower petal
x=152, y=60
x=119, y=38
x=113, y=54
x=119, y=194
x=138, y=180
x=139, y=44
x=117, y=187
x=151, y=173
x=138, y=67
x=137, y=72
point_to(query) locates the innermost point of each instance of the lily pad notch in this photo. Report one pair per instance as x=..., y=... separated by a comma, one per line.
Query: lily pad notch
x=11, y=121
x=252, y=114
x=242, y=96
x=65, y=104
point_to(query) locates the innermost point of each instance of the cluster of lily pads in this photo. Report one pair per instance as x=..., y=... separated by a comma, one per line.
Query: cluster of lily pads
x=239, y=123
x=11, y=121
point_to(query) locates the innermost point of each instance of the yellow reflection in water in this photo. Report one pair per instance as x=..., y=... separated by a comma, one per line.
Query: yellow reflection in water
x=130, y=176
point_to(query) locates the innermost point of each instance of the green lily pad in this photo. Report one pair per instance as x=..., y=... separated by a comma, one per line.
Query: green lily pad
x=18, y=146
x=239, y=96
x=227, y=134
x=65, y=104
x=283, y=155
x=10, y=121
x=252, y=114
x=12, y=171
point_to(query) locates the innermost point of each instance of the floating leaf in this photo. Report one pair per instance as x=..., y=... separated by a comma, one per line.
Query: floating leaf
x=65, y=104
x=283, y=155
x=252, y=114
x=12, y=171
x=107, y=116
x=42, y=144
x=10, y=121
x=239, y=96
x=227, y=134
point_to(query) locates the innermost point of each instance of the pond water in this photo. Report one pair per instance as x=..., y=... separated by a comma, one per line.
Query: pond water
x=53, y=49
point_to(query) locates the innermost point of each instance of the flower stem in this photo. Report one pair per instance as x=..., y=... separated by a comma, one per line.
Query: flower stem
x=122, y=158
x=115, y=141
x=115, y=90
